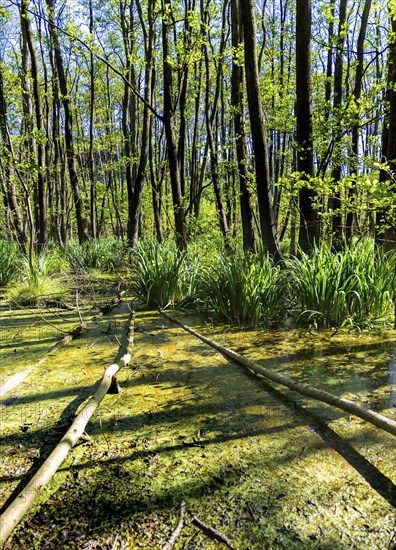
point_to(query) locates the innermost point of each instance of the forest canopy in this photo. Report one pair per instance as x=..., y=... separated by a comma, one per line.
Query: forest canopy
x=268, y=124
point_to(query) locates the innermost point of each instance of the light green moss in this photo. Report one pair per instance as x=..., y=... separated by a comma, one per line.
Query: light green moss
x=191, y=426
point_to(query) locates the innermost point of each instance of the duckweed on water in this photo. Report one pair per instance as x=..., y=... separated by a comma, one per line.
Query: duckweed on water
x=191, y=426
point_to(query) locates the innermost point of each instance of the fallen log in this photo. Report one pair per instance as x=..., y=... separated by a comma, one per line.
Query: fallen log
x=14, y=381
x=80, y=329
x=26, y=498
x=378, y=420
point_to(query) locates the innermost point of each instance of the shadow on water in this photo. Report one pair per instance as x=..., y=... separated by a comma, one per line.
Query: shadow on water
x=376, y=479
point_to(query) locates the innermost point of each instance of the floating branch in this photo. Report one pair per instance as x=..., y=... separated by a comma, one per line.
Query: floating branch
x=378, y=420
x=25, y=500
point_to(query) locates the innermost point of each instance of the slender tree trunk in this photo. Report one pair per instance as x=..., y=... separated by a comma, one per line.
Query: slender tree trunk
x=92, y=171
x=309, y=234
x=211, y=104
x=9, y=184
x=82, y=228
x=168, y=119
x=41, y=218
x=136, y=204
x=357, y=92
x=386, y=217
x=335, y=201
x=237, y=79
x=259, y=137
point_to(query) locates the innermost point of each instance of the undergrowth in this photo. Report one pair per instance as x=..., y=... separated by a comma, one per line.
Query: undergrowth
x=38, y=281
x=353, y=287
x=10, y=261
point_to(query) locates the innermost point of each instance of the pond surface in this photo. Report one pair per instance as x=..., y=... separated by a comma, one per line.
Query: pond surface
x=266, y=467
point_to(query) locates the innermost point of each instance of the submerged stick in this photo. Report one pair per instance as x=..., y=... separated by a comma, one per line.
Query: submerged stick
x=378, y=420
x=25, y=500
x=178, y=529
x=83, y=327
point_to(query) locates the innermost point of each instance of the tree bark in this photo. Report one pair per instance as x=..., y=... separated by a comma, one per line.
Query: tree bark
x=41, y=218
x=169, y=124
x=82, y=227
x=237, y=96
x=357, y=92
x=335, y=201
x=309, y=233
x=135, y=200
x=259, y=137
x=9, y=185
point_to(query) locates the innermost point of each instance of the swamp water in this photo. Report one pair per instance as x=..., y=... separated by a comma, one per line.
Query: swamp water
x=264, y=466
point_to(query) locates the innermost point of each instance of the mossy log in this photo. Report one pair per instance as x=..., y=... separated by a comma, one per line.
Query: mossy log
x=26, y=498
x=378, y=420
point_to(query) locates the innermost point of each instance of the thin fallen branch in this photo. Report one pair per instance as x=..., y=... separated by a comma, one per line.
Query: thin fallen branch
x=178, y=529
x=14, y=381
x=379, y=420
x=80, y=329
x=211, y=532
x=72, y=335
x=25, y=500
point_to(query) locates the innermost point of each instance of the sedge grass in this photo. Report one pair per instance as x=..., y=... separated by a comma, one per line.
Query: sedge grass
x=351, y=287
x=163, y=276
x=246, y=289
x=10, y=261
x=39, y=281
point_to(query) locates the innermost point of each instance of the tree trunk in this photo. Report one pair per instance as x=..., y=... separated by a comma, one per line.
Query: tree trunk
x=211, y=104
x=309, y=234
x=41, y=218
x=237, y=79
x=357, y=92
x=259, y=137
x=171, y=142
x=136, y=202
x=386, y=217
x=82, y=228
x=335, y=200
x=10, y=195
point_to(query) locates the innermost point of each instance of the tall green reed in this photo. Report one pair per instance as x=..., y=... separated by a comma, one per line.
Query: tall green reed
x=10, y=261
x=246, y=289
x=163, y=276
x=352, y=287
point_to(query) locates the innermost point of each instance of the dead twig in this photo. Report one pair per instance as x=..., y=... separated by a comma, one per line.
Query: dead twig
x=211, y=532
x=178, y=529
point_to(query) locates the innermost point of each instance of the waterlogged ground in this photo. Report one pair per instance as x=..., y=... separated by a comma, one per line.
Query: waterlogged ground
x=262, y=466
